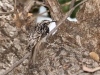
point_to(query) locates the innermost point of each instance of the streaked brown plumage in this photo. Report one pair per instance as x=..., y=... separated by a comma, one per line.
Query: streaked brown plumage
x=36, y=33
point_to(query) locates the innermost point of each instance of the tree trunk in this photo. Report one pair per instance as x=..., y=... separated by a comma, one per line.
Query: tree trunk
x=55, y=9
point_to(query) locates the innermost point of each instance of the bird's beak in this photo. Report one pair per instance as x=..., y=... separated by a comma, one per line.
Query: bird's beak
x=53, y=21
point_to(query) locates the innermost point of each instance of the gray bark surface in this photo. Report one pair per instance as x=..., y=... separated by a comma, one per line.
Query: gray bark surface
x=64, y=53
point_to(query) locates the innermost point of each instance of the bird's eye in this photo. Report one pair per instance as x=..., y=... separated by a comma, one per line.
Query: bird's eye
x=46, y=24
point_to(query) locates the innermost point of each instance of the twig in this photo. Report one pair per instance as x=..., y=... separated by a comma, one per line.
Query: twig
x=10, y=12
x=67, y=3
x=40, y=3
x=64, y=18
x=35, y=52
x=16, y=64
x=42, y=13
x=90, y=69
x=72, y=3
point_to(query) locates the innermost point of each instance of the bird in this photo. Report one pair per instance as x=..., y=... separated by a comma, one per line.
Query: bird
x=42, y=28
x=39, y=31
x=36, y=33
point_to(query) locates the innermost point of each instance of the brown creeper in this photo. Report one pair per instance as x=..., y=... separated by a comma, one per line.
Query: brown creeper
x=42, y=28
x=38, y=32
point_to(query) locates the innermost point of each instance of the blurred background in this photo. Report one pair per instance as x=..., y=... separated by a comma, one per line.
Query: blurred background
x=65, y=6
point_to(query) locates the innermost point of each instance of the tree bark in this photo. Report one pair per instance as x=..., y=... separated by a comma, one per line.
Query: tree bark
x=55, y=9
x=65, y=53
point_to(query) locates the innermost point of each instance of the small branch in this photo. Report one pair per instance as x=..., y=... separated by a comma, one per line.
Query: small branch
x=10, y=12
x=72, y=4
x=64, y=18
x=67, y=3
x=40, y=3
x=16, y=64
x=36, y=49
x=90, y=69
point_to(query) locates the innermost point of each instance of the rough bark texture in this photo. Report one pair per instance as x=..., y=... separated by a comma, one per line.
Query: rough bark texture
x=55, y=9
x=64, y=53
x=88, y=26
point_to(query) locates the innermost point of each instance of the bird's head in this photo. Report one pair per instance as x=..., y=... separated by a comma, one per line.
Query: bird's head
x=42, y=28
x=46, y=22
